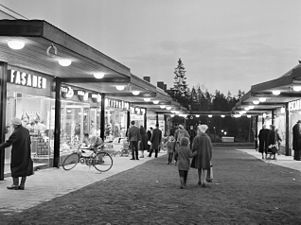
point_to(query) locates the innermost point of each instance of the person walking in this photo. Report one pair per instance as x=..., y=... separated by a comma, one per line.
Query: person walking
x=156, y=141
x=203, y=146
x=184, y=154
x=143, y=142
x=179, y=134
x=21, y=163
x=134, y=137
x=149, y=135
x=192, y=134
x=297, y=140
x=263, y=139
x=170, y=148
x=272, y=143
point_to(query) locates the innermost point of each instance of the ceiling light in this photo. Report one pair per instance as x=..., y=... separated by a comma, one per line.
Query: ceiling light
x=242, y=112
x=120, y=87
x=16, y=44
x=156, y=102
x=135, y=92
x=276, y=92
x=65, y=62
x=255, y=102
x=162, y=106
x=223, y=116
x=99, y=75
x=297, y=88
x=262, y=99
x=168, y=108
x=146, y=99
x=249, y=116
x=236, y=115
x=197, y=116
x=210, y=116
x=251, y=106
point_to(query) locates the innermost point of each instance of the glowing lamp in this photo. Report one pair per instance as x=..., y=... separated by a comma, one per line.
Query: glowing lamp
x=16, y=44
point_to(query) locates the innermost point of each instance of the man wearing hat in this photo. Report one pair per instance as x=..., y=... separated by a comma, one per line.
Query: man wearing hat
x=21, y=164
x=297, y=140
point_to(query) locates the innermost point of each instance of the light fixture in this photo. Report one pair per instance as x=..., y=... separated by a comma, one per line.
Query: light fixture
x=146, y=99
x=249, y=116
x=162, y=106
x=197, y=116
x=264, y=115
x=135, y=92
x=276, y=92
x=120, y=87
x=156, y=102
x=223, y=116
x=65, y=62
x=297, y=88
x=168, y=108
x=262, y=99
x=172, y=115
x=99, y=75
x=16, y=44
x=247, y=108
x=210, y=116
x=236, y=115
x=242, y=112
x=251, y=106
x=255, y=102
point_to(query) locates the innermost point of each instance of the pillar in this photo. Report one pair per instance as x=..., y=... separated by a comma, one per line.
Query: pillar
x=288, y=151
x=57, y=123
x=3, y=101
x=102, y=116
x=145, y=119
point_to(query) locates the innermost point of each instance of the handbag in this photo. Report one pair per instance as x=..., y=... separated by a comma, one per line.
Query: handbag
x=273, y=149
x=210, y=173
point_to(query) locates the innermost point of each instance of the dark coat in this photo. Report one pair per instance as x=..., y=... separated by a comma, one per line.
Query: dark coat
x=156, y=138
x=134, y=133
x=297, y=137
x=143, y=143
x=263, y=140
x=202, y=144
x=21, y=163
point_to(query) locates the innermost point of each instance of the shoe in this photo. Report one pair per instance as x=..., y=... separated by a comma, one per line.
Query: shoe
x=181, y=187
x=21, y=188
x=137, y=159
x=132, y=159
x=199, y=183
x=13, y=187
x=204, y=185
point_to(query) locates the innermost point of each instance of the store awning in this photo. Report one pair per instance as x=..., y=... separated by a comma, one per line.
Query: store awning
x=269, y=95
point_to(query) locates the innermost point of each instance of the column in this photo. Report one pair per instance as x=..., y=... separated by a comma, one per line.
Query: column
x=57, y=123
x=3, y=94
x=102, y=116
x=145, y=119
x=157, y=118
x=288, y=151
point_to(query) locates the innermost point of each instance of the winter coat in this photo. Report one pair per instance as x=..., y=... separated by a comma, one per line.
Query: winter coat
x=183, y=155
x=156, y=138
x=263, y=140
x=134, y=133
x=143, y=143
x=21, y=162
x=297, y=137
x=203, y=146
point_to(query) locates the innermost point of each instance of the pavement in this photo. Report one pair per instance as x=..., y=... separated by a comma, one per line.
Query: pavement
x=50, y=183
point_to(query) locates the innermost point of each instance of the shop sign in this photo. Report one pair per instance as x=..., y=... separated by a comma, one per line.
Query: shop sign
x=97, y=97
x=83, y=95
x=112, y=103
x=67, y=92
x=294, y=105
x=26, y=79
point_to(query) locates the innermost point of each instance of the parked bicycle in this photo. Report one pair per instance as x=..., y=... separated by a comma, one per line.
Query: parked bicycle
x=99, y=159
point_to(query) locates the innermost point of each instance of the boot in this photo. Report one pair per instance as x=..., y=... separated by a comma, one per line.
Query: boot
x=22, y=184
x=15, y=184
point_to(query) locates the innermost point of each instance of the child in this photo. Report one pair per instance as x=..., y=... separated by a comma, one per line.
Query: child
x=170, y=148
x=183, y=154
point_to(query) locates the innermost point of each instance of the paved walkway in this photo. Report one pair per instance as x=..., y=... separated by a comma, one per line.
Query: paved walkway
x=47, y=184
x=282, y=160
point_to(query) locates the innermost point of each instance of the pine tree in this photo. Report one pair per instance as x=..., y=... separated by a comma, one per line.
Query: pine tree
x=180, y=86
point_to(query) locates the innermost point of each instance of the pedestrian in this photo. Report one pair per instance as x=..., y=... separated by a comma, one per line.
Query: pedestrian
x=192, y=134
x=170, y=148
x=272, y=143
x=279, y=140
x=149, y=135
x=297, y=140
x=184, y=154
x=134, y=137
x=202, y=161
x=21, y=163
x=156, y=141
x=143, y=142
x=263, y=141
x=179, y=134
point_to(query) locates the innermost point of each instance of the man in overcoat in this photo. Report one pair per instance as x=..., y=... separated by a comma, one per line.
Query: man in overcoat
x=134, y=137
x=156, y=141
x=21, y=164
x=297, y=140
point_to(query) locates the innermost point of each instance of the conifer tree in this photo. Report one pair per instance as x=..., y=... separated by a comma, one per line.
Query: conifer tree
x=180, y=89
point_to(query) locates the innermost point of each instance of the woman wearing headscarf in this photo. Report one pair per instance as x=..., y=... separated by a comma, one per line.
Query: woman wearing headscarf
x=203, y=146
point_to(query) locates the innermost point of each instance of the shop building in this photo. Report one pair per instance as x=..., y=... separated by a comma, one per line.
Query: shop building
x=275, y=102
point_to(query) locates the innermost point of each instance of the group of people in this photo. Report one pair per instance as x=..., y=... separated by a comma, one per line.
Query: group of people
x=269, y=142
x=184, y=145
x=141, y=140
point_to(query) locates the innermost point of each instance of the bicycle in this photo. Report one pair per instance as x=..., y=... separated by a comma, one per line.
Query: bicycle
x=100, y=160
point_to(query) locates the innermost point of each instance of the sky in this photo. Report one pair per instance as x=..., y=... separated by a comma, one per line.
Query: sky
x=224, y=45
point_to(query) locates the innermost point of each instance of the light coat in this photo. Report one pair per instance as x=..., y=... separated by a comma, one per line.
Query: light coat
x=203, y=146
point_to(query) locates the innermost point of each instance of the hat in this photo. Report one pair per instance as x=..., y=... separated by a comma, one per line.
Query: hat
x=203, y=128
x=16, y=122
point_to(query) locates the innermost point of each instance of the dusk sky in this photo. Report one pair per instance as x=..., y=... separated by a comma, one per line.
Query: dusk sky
x=224, y=45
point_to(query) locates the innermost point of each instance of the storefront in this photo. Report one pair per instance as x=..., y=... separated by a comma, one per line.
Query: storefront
x=137, y=114
x=154, y=118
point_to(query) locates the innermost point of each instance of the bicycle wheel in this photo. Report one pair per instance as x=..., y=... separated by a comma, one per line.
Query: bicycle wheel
x=70, y=161
x=102, y=161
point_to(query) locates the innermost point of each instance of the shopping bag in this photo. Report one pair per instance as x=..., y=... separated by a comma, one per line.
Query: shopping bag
x=210, y=173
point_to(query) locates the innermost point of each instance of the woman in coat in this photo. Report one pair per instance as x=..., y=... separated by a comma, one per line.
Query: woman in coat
x=21, y=163
x=143, y=142
x=203, y=146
